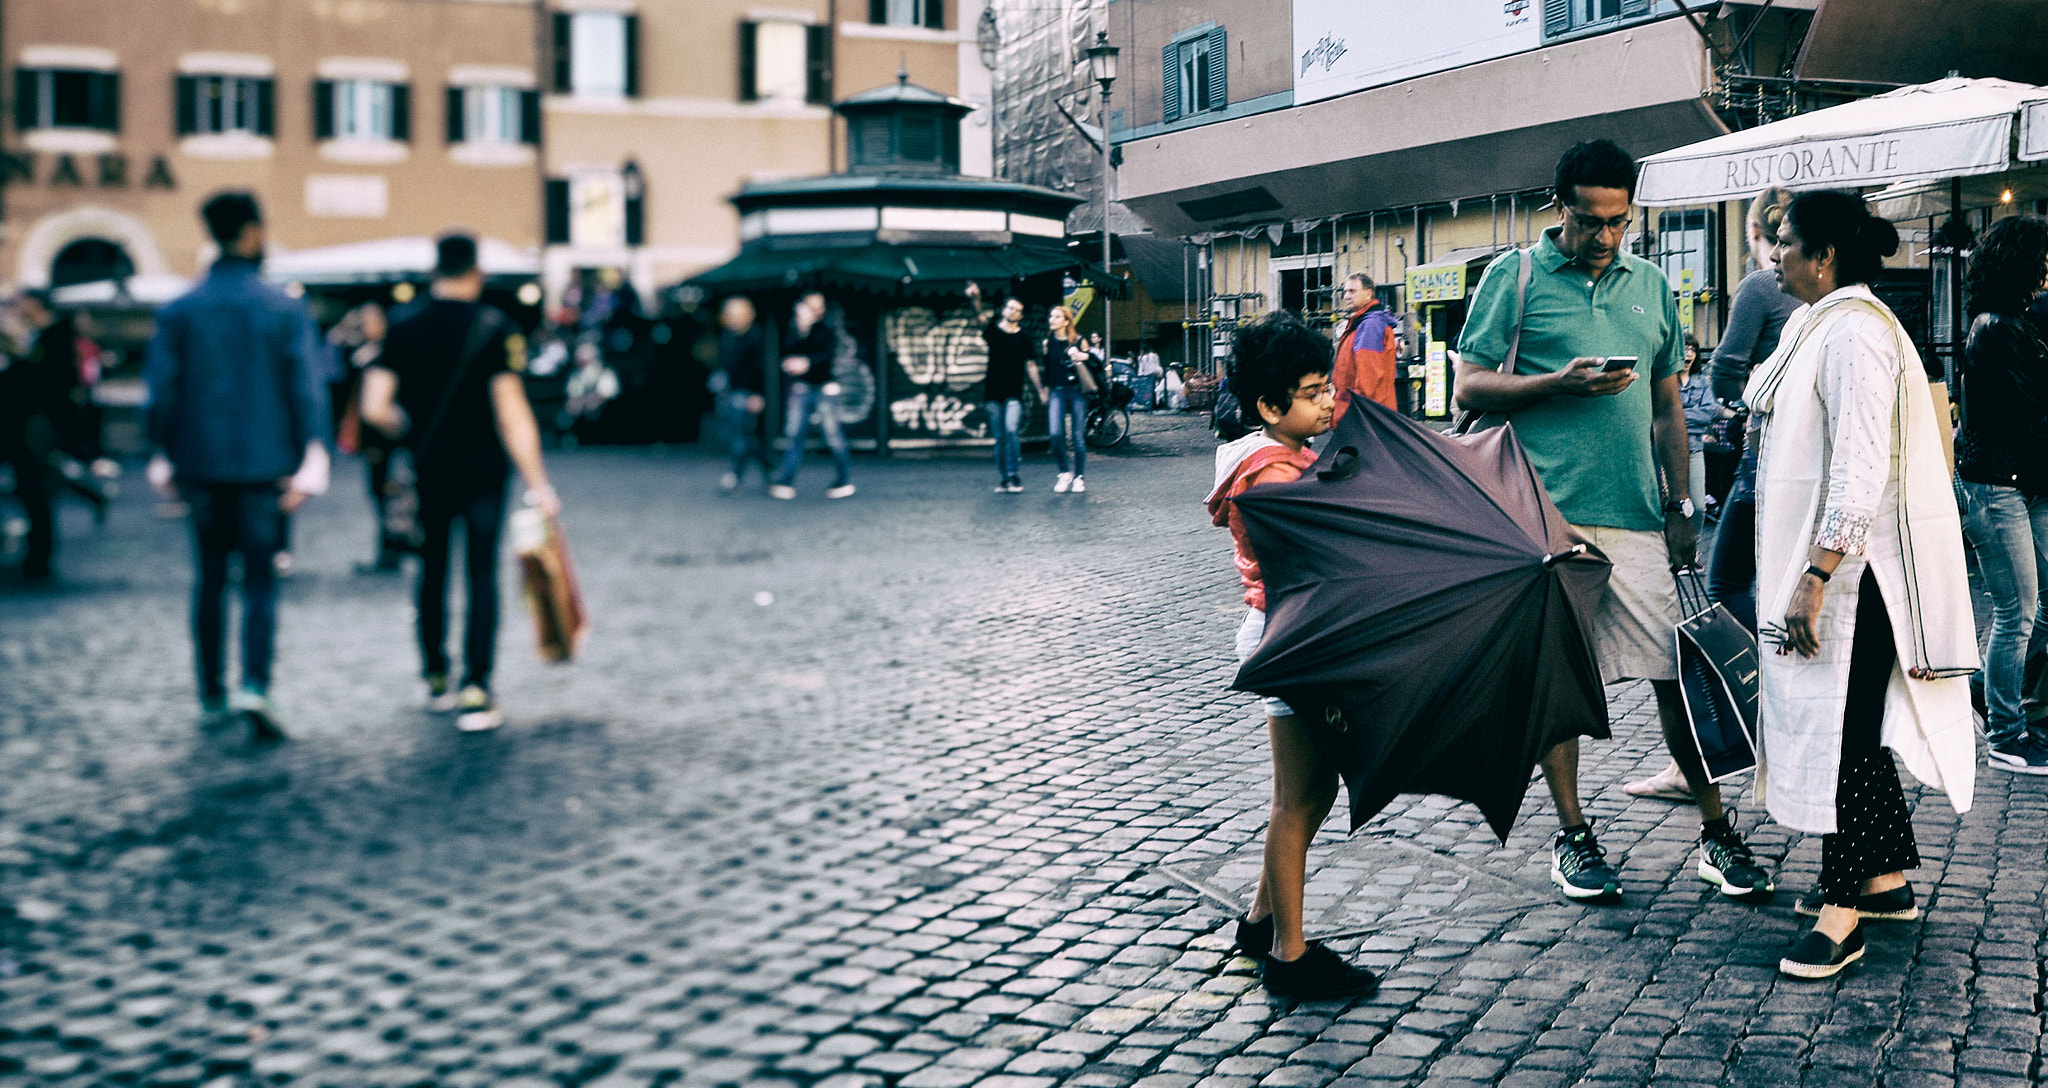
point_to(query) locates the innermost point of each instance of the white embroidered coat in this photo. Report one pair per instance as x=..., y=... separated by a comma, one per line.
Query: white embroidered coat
x=1851, y=459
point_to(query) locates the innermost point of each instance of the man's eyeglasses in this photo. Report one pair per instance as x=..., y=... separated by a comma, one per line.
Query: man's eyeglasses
x=1315, y=392
x=1592, y=225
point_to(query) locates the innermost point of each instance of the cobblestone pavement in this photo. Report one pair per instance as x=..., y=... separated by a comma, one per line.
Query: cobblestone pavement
x=917, y=790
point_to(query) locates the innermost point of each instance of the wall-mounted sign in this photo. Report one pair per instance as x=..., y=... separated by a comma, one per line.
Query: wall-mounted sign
x=1436, y=283
x=112, y=170
x=1342, y=46
x=1436, y=380
x=1685, y=298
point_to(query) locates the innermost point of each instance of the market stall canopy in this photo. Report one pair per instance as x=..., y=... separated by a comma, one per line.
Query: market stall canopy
x=149, y=289
x=389, y=259
x=889, y=268
x=1913, y=41
x=1945, y=129
x=1928, y=199
x=2034, y=130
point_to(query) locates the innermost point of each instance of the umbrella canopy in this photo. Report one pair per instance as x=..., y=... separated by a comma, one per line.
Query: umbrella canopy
x=1427, y=603
x=1945, y=129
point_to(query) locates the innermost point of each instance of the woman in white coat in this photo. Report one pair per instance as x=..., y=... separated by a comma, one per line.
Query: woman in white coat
x=1860, y=581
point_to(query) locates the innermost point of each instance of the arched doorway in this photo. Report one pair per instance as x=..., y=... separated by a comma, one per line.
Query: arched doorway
x=90, y=259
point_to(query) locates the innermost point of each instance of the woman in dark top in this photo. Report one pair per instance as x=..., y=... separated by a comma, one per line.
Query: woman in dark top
x=2002, y=466
x=1068, y=384
x=1011, y=356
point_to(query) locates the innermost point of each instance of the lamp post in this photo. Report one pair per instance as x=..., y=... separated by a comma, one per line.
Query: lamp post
x=633, y=218
x=1102, y=65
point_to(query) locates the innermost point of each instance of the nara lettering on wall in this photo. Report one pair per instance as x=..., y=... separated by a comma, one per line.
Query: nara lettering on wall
x=109, y=171
x=939, y=367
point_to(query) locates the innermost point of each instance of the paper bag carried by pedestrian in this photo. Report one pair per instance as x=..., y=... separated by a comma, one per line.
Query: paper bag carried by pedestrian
x=548, y=581
x=1717, y=675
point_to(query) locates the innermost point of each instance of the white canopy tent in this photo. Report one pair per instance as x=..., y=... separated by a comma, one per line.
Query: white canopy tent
x=389, y=259
x=145, y=289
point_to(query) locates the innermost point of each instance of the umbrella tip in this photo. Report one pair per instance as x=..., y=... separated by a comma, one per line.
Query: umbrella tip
x=1559, y=557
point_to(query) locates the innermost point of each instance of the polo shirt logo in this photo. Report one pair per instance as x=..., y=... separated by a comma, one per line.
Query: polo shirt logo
x=1637, y=309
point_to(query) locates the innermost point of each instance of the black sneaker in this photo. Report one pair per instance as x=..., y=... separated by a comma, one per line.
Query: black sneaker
x=1815, y=956
x=1255, y=939
x=1579, y=867
x=1319, y=973
x=2020, y=755
x=1895, y=905
x=1725, y=860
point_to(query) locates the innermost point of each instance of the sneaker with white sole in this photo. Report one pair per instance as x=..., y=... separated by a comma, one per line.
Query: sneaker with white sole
x=441, y=699
x=2020, y=755
x=1579, y=868
x=1063, y=483
x=781, y=491
x=1080, y=485
x=255, y=707
x=477, y=711
x=839, y=491
x=729, y=483
x=1015, y=486
x=1725, y=861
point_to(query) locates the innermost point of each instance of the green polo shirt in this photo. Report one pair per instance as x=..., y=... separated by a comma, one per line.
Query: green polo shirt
x=1594, y=453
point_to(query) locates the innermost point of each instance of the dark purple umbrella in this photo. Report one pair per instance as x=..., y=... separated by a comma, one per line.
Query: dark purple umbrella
x=1430, y=608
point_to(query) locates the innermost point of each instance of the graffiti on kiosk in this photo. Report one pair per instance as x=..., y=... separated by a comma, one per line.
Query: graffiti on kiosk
x=939, y=366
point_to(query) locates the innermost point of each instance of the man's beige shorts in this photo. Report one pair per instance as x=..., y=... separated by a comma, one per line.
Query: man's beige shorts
x=1632, y=631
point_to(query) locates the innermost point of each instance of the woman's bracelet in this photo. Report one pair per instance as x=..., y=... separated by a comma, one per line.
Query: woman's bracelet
x=1818, y=573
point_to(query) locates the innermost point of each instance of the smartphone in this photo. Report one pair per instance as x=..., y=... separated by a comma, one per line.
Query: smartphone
x=1617, y=363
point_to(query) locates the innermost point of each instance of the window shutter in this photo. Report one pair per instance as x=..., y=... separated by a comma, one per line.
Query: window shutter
x=636, y=220
x=935, y=14
x=27, y=104
x=632, y=56
x=1219, y=69
x=557, y=211
x=401, y=112
x=878, y=12
x=103, y=101
x=563, y=30
x=1557, y=17
x=748, y=49
x=1170, y=84
x=323, y=109
x=187, y=91
x=456, y=118
x=266, y=107
x=818, y=65
x=529, y=117
x=1633, y=8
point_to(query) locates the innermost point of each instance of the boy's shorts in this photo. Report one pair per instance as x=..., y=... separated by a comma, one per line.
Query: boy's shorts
x=1248, y=635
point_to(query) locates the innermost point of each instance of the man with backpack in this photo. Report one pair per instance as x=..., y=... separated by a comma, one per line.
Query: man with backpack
x=449, y=382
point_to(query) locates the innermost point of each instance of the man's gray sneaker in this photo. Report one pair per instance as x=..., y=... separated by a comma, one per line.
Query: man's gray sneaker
x=1725, y=861
x=1579, y=867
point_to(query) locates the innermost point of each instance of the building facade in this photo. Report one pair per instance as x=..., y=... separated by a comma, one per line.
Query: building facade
x=352, y=121
x=658, y=111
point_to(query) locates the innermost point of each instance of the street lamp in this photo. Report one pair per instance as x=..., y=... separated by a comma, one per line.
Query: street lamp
x=633, y=191
x=1102, y=65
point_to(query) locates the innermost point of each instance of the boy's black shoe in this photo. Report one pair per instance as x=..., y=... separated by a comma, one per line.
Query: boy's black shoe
x=1895, y=905
x=1319, y=973
x=1255, y=939
x=1816, y=956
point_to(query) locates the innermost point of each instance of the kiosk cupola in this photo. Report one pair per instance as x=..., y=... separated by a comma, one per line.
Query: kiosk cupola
x=903, y=129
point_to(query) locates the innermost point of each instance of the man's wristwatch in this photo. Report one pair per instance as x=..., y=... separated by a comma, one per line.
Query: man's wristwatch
x=1681, y=507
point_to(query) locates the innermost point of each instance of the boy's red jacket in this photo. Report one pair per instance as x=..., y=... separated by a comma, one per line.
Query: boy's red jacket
x=1240, y=465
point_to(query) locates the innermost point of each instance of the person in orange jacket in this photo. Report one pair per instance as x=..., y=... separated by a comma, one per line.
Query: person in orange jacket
x=1365, y=365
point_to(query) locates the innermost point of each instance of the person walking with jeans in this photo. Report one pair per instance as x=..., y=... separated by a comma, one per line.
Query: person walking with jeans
x=1069, y=382
x=2002, y=469
x=807, y=360
x=238, y=414
x=743, y=373
x=1011, y=358
x=449, y=383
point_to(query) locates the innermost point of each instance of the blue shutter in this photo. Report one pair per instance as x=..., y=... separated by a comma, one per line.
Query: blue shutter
x=1219, y=65
x=1170, y=83
x=1632, y=8
x=1557, y=17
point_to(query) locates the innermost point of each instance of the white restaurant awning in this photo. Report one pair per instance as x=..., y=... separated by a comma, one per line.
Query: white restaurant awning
x=1946, y=129
x=390, y=258
x=2034, y=130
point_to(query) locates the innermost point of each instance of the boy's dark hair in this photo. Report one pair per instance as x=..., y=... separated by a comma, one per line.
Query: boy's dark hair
x=1599, y=163
x=227, y=214
x=1830, y=217
x=1269, y=359
x=454, y=255
x=2006, y=271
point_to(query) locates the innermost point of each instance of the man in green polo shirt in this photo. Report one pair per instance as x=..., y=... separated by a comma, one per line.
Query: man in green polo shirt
x=1598, y=434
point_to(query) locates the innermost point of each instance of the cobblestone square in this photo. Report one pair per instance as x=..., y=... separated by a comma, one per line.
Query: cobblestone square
x=913, y=790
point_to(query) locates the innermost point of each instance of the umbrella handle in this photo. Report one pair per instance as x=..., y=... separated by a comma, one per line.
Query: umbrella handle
x=1343, y=466
x=1559, y=557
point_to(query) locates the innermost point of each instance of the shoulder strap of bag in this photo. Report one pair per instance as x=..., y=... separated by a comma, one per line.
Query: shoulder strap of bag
x=481, y=328
x=1523, y=274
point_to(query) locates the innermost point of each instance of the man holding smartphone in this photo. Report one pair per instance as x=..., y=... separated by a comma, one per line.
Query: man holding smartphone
x=1594, y=398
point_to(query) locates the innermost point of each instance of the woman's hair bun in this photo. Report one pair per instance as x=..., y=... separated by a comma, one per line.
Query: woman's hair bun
x=1879, y=235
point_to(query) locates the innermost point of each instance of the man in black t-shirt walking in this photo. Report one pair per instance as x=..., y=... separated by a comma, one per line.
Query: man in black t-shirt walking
x=1011, y=358
x=449, y=382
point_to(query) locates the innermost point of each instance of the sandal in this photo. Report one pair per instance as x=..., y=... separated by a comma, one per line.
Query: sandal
x=1660, y=788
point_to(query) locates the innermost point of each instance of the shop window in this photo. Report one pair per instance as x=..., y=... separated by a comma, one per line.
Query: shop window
x=500, y=116
x=1195, y=67
x=597, y=54
x=1567, y=16
x=67, y=98
x=361, y=109
x=925, y=13
x=1307, y=290
x=220, y=105
x=785, y=62
x=1684, y=243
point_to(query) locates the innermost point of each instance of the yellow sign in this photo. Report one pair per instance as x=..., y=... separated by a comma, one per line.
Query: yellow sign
x=1436, y=382
x=1440, y=283
x=1685, y=298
